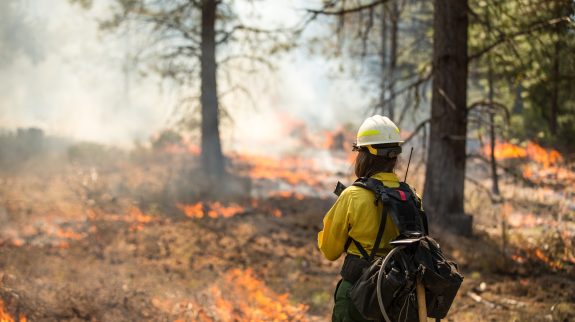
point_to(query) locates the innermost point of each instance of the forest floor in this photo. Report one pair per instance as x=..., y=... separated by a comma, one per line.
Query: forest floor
x=116, y=241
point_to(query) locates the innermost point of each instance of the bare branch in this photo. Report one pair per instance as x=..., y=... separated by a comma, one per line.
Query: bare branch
x=511, y=171
x=228, y=34
x=493, y=105
x=187, y=51
x=415, y=84
x=345, y=11
x=418, y=128
x=448, y=99
x=252, y=58
x=494, y=198
x=365, y=34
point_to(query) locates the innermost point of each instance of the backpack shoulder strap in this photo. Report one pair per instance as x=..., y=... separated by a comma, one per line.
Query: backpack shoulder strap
x=380, y=231
x=378, y=189
x=372, y=185
x=378, y=238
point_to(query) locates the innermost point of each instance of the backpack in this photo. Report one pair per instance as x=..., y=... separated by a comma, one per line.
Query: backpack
x=385, y=288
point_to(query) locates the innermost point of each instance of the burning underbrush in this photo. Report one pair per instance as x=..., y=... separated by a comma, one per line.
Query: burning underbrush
x=259, y=304
x=535, y=163
x=534, y=217
x=136, y=236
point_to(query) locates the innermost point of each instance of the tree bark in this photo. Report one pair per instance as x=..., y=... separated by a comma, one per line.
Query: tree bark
x=555, y=92
x=383, y=58
x=445, y=172
x=518, y=100
x=211, y=157
x=557, y=7
x=494, y=177
x=393, y=57
x=491, y=94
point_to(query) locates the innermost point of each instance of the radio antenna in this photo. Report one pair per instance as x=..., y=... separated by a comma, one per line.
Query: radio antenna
x=408, y=162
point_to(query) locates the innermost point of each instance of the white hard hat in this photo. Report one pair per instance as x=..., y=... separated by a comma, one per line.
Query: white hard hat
x=378, y=130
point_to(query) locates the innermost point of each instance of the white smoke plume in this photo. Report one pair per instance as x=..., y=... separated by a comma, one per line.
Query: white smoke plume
x=60, y=73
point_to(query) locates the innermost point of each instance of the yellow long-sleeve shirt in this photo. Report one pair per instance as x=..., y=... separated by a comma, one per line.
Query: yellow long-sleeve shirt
x=355, y=215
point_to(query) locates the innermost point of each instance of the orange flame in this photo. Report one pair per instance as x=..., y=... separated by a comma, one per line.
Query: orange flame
x=218, y=210
x=17, y=242
x=532, y=151
x=544, y=157
x=212, y=210
x=61, y=236
x=185, y=147
x=135, y=217
x=248, y=299
x=329, y=140
x=545, y=163
x=540, y=255
x=506, y=151
x=536, y=254
x=192, y=211
x=287, y=195
x=337, y=140
x=293, y=170
x=138, y=219
x=5, y=317
x=277, y=213
x=138, y=216
x=69, y=234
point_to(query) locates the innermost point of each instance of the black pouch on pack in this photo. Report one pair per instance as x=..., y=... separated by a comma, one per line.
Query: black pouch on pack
x=441, y=278
x=353, y=267
x=364, y=292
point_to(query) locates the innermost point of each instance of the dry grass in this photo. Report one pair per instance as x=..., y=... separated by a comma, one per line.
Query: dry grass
x=104, y=240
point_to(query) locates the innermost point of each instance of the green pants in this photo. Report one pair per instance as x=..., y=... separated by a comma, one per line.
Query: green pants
x=344, y=310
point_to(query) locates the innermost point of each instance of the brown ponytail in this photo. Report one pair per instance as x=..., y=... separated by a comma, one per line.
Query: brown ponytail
x=367, y=164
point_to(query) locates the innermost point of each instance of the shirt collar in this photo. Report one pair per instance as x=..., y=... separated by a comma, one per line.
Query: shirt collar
x=386, y=176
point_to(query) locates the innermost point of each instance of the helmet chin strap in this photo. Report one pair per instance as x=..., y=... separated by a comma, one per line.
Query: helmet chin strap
x=390, y=152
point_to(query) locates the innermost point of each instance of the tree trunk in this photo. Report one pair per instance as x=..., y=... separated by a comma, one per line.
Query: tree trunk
x=557, y=7
x=383, y=58
x=555, y=94
x=393, y=57
x=211, y=157
x=445, y=172
x=494, y=177
x=518, y=100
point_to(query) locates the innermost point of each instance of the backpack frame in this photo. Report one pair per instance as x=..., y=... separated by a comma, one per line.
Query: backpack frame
x=385, y=287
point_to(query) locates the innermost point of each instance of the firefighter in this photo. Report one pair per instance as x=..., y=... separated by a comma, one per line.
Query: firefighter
x=354, y=216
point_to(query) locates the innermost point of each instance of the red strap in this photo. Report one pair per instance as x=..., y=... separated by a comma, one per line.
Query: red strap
x=402, y=195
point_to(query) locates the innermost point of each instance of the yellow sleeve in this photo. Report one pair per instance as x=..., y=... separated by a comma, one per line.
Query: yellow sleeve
x=331, y=240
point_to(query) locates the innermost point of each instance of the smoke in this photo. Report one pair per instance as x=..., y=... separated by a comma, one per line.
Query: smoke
x=58, y=72
x=300, y=94
x=18, y=34
x=300, y=90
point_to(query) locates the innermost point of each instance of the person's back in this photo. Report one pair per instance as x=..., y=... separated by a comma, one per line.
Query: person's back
x=355, y=215
x=351, y=225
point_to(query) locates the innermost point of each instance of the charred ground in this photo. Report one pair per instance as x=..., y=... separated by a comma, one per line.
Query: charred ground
x=99, y=234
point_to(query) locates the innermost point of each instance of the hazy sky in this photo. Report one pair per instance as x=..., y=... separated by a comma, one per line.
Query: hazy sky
x=58, y=72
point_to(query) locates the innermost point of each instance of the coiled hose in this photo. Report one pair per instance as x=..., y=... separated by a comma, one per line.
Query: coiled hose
x=379, y=279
